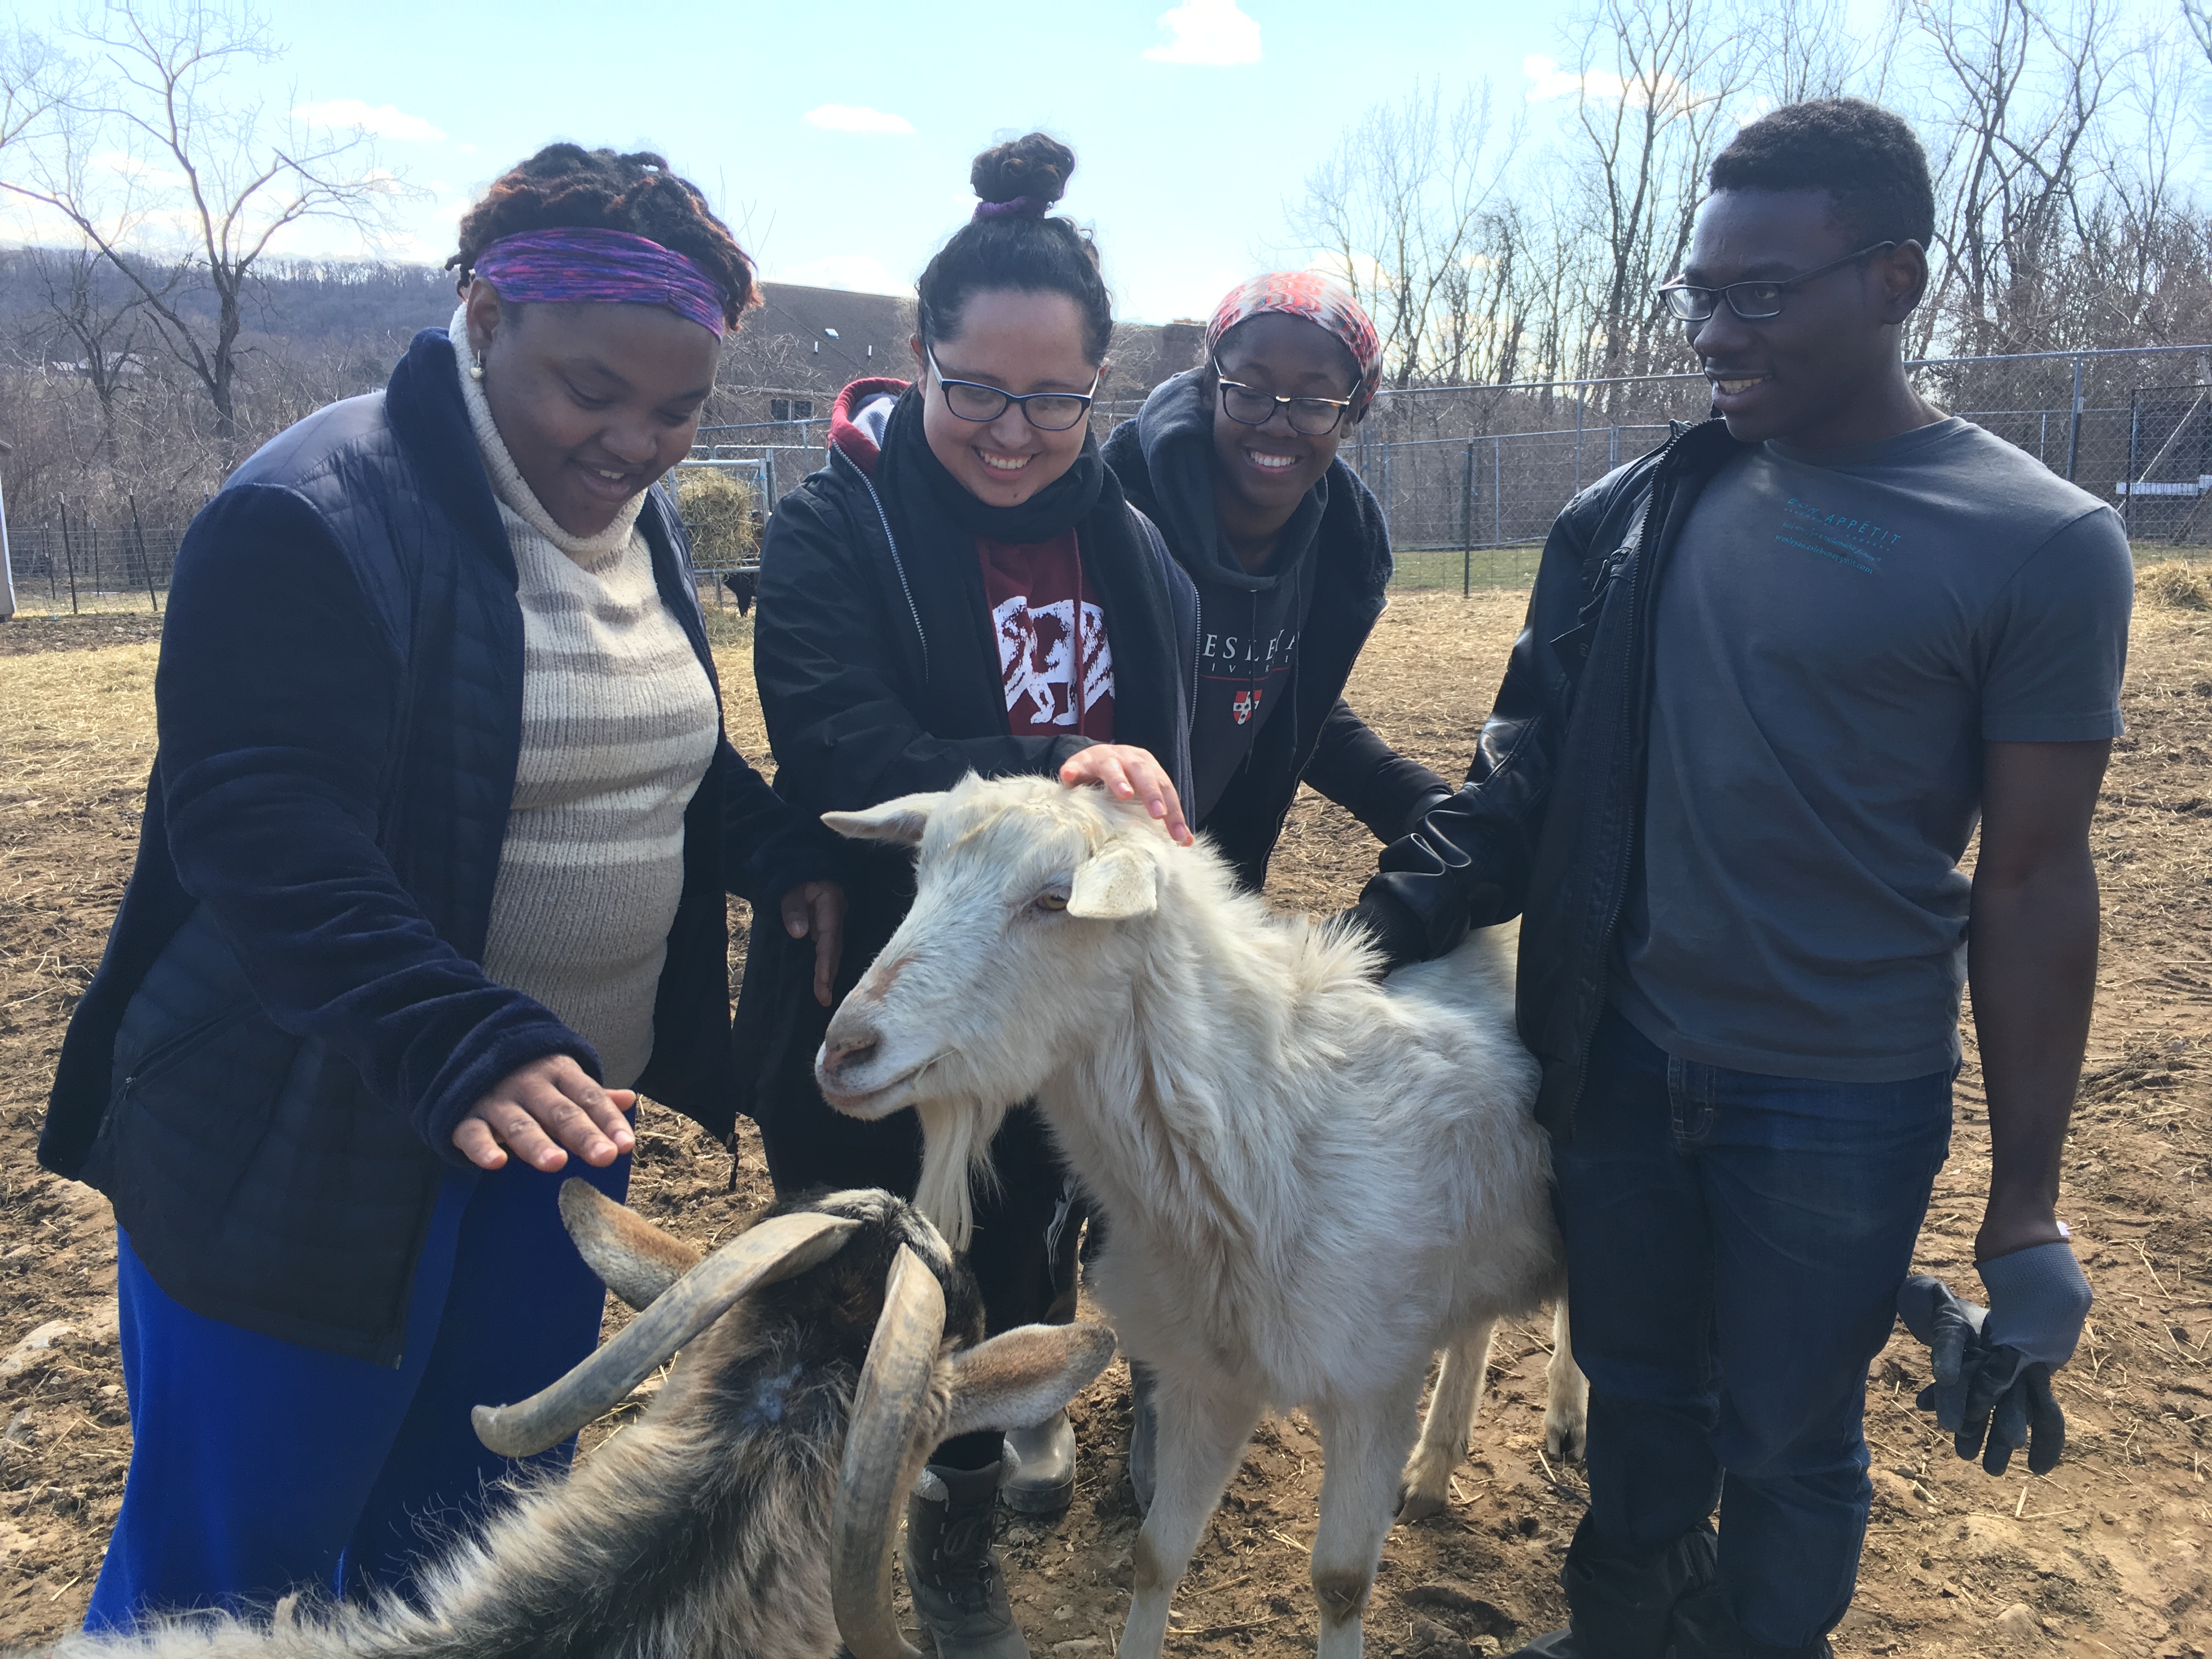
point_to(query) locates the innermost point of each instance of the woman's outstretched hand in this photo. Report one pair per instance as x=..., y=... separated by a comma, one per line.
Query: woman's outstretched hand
x=543, y=1111
x=817, y=908
x=1129, y=773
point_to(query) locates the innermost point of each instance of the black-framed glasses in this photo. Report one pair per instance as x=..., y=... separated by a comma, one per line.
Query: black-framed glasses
x=1048, y=411
x=1755, y=302
x=1310, y=417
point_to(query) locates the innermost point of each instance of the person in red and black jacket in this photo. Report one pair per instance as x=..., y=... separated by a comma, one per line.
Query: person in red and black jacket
x=963, y=588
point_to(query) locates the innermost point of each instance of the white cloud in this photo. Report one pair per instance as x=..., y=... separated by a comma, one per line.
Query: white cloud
x=862, y=273
x=857, y=118
x=1548, y=81
x=1211, y=31
x=382, y=119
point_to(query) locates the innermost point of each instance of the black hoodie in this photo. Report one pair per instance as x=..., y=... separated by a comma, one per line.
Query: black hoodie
x=1275, y=649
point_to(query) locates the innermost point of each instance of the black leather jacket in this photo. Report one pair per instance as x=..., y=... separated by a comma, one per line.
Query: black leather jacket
x=1545, y=826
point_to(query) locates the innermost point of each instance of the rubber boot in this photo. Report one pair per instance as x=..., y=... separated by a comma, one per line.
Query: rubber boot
x=1040, y=1465
x=951, y=1571
x=1144, y=1434
x=1622, y=1606
x=1706, y=1629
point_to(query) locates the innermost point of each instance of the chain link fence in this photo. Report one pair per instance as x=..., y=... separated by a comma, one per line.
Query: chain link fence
x=1469, y=476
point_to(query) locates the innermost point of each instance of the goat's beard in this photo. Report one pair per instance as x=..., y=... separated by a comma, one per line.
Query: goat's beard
x=956, y=1159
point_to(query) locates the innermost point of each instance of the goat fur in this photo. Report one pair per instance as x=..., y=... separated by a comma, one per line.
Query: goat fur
x=1311, y=1179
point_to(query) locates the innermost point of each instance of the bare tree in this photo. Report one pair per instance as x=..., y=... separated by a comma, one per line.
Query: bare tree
x=1812, y=49
x=1657, y=82
x=2021, y=95
x=103, y=327
x=1406, y=212
x=35, y=76
x=234, y=178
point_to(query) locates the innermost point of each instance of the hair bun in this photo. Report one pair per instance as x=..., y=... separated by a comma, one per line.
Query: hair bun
x=1036, y=166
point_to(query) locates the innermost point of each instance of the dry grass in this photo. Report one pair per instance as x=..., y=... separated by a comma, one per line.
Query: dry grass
x=2106, y=1555
x=2176, y=584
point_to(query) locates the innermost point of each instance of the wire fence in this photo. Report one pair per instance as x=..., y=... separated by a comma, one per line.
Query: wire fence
x=1469, y=476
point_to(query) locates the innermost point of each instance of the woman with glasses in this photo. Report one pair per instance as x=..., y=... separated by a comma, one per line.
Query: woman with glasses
x=962, y=588
x=1236, y=460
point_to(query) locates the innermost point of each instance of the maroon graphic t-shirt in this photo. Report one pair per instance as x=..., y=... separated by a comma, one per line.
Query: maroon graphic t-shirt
x=1054, y=659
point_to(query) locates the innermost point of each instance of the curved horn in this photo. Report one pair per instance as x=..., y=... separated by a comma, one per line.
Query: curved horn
x=775, y=1250
x=882, y=1459
x=633, y=1258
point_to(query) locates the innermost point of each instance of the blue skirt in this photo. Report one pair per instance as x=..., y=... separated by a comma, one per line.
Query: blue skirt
x=259, y=1466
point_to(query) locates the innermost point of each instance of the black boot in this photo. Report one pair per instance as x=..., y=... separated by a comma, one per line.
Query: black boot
x=1706, y=1629
x=1621, y=1607
x=1144, y=1434
x=952, y=1571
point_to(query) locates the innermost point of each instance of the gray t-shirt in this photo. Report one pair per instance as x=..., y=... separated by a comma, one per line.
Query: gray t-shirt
x=1835, y=640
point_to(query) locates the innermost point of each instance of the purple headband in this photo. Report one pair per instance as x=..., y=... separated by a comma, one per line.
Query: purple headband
x=1034, y=206
x=601, y=267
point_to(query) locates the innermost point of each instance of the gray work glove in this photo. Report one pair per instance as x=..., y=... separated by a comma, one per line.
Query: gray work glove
x=1992, y=1366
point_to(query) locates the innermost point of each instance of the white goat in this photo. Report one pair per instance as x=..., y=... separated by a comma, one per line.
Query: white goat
x=1310, y=1181
x=749, y=1512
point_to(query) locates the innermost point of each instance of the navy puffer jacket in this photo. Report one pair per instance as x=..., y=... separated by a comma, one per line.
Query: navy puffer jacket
x=289, y=1018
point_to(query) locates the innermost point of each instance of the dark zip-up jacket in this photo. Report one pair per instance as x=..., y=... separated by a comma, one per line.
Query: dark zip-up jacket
x=289, y=1018
x=1316, y=738
x=1545, y=826
x=878, y=674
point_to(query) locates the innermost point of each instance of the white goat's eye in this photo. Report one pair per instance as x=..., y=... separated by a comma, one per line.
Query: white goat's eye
x=1051, y=899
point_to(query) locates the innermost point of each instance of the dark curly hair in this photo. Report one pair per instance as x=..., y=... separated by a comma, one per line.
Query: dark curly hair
x=1024, y=250
x=567, y=186
x=1867, y=159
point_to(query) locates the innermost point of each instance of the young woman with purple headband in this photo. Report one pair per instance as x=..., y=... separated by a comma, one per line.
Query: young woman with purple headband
x=1236, y=460
x=431, y=883
x=963, y=588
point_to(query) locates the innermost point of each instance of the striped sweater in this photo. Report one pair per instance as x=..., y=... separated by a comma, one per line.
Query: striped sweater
x=619, y=727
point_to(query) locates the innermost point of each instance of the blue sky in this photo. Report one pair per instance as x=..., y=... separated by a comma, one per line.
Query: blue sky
x=1191, y=134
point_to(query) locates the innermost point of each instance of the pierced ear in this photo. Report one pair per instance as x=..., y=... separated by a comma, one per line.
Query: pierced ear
x=633, y=1258
x=1022, y=1377
x=900, y=822
x=1119, y=883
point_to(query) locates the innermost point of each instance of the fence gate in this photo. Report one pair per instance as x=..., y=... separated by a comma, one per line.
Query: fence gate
x=2169, y=464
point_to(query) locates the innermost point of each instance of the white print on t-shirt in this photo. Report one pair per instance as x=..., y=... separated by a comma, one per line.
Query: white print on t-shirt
x=1036, y=655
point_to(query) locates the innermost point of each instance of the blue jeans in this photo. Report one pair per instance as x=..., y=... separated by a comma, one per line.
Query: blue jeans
x=1735, y=1246
x=260, y=1466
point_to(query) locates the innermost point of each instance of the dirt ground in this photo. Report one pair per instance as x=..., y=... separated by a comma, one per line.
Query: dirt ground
x=2105, y=1557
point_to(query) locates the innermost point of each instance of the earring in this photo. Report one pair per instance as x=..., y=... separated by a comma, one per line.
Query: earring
x=475, y=371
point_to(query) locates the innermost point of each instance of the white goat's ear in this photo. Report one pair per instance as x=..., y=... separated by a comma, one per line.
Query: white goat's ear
x=1122, y=881
x=900, y=821
x=1020, y=1378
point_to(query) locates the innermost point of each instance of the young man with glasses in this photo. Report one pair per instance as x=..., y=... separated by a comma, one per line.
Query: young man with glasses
x=1771, y=676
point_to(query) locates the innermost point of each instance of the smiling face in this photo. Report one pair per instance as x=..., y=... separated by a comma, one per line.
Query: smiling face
x=593, y=402
x=1262, y=470
x=1018, y=343
x=1828, y=372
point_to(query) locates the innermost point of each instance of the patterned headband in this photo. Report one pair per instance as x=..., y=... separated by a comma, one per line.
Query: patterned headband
x=1318, y=299
x=601, y=267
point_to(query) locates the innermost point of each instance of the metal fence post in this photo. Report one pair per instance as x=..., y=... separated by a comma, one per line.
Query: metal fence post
x=68, y=552
x=1581, y=397
x=1467, y=525
x=145, y=558
x=2074, y=427
x=1497, y=490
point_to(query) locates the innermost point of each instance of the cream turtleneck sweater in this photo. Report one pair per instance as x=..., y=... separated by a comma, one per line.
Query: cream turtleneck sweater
x=619, y=727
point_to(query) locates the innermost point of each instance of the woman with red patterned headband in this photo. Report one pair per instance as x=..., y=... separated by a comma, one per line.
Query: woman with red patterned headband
x=1236, y=461
x=431, y=883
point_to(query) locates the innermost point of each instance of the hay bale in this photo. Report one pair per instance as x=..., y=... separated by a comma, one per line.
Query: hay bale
x=2176, y=584
x=722, y=513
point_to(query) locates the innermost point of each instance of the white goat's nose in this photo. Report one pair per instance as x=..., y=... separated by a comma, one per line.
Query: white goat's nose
x=841, y=1050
